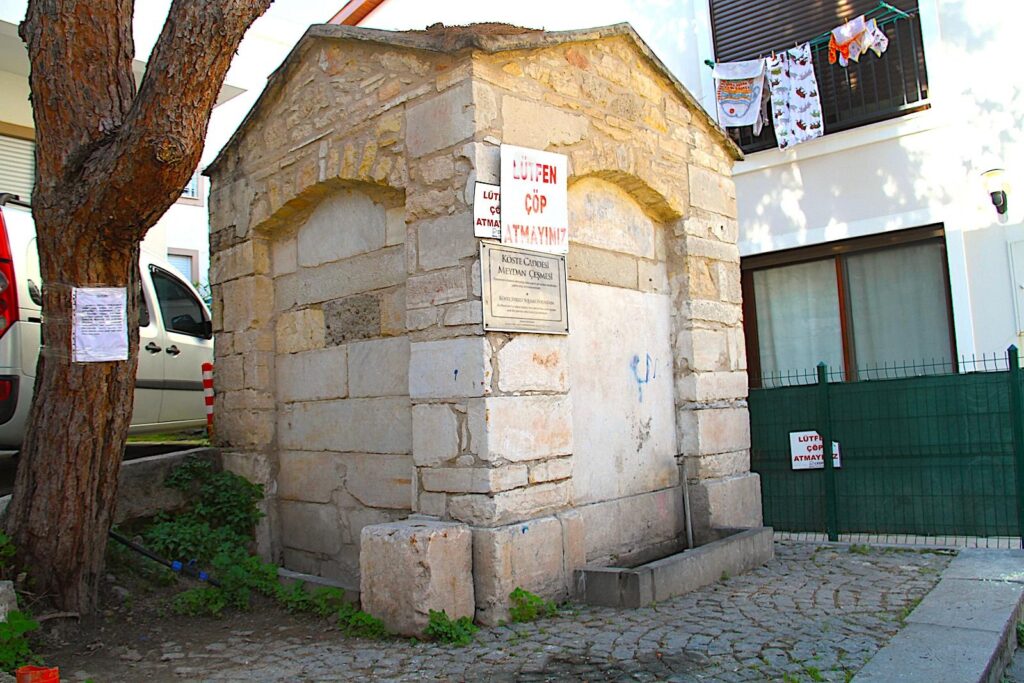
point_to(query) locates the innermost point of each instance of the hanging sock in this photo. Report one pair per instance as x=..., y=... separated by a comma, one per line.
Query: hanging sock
x=741, y=96
x=795, y=104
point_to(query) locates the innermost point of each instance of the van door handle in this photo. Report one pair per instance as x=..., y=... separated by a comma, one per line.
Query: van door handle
x=173, y=350
x=152, y=348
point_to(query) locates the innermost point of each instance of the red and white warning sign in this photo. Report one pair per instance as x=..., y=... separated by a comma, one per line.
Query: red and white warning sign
x=534, y=199
x=487, y=211
x=805, y=449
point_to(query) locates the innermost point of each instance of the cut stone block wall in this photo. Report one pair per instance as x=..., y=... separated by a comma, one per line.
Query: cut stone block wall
x=344, y=419
x=354, y=376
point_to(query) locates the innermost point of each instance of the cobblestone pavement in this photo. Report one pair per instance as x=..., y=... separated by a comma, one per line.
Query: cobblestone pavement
x=814, y=613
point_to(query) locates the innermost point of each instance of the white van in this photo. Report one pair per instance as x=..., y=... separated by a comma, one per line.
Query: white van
x=175, y=336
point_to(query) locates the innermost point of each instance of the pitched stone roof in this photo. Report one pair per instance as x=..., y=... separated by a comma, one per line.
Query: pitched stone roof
x=485, y=37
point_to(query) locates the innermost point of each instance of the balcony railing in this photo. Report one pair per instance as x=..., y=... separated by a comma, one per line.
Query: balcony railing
x=874, y=89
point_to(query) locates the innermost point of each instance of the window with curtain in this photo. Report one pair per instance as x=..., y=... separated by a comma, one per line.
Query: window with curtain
x=798, y=318
x=871, y=308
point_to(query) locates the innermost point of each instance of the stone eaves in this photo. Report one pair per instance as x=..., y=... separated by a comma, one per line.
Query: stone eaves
x=464, y=38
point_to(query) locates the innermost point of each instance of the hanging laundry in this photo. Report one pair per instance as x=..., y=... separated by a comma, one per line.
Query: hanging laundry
x=853, y=39
x=741, y=94
x=796, y=107
x=877, y=41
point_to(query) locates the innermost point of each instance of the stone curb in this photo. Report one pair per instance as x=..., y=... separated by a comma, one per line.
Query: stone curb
x=963, y=630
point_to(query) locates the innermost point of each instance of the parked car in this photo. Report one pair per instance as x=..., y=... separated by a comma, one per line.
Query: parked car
x=175, y=336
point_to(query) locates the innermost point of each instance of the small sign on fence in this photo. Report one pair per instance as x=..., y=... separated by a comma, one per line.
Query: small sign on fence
x=805, y=450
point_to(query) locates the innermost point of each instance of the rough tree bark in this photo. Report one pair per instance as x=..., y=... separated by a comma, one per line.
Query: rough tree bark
x=109, y=162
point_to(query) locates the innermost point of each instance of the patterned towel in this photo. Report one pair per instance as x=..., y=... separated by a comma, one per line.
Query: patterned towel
x=796, y=107
x=854, y=38
x=741, y=94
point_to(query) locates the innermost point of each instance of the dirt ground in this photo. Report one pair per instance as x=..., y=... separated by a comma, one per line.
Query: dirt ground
x=136, y=624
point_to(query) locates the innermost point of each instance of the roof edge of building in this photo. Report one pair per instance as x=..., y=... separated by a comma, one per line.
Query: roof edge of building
x=450, y=43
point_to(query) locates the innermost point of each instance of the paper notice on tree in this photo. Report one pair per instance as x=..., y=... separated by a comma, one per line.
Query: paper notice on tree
x=99, y=329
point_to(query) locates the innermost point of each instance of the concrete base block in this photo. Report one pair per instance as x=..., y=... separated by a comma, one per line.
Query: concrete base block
x=739, y=551
x=411, y=567
x=141, y=491
x=539, y=556
x=634, y=529
x=730, y=502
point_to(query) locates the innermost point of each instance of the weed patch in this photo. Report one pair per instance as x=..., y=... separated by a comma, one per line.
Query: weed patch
x=529, y=607
x=359, y=624
x=905, y=612
x=814, y=673
x=457, y=632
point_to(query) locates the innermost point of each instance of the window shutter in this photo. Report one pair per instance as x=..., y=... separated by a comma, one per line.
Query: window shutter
x=747, y=29
x=17, y=166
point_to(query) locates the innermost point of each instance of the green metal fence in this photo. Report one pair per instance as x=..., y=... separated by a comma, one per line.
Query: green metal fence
x=930, y=458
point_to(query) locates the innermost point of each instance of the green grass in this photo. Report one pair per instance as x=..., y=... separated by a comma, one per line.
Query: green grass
x=814, y=673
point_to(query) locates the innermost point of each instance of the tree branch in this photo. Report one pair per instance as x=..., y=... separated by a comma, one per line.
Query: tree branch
x=132, y=169
x=164, y=131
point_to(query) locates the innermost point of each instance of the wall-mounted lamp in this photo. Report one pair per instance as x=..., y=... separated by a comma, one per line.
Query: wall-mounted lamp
x=997, y=188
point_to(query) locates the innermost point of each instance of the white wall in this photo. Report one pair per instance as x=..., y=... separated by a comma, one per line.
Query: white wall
x=918, y=170
x=14, y=105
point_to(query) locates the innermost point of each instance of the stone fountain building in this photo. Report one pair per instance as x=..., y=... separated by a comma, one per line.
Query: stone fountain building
x=354, y=377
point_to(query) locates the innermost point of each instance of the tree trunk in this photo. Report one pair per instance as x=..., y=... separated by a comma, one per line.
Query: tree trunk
x=109, y=163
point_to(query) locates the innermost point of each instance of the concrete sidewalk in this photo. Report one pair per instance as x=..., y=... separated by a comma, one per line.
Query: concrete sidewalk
x=964, y=630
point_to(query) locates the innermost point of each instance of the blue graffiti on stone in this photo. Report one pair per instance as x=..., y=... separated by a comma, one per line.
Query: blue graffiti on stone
x=650, y=372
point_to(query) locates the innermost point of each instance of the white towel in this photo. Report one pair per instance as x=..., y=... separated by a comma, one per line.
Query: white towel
x=732, y=71
x=741, y=94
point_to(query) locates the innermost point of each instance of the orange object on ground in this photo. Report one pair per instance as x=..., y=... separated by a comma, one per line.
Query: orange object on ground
x=37, y=674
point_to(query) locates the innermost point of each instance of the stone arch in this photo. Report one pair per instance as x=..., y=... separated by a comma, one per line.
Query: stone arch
x=297, y=210
x=663, y=195
x=607, y=214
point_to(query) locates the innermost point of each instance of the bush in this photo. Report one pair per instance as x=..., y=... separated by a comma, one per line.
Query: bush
x=216, y=531
x=15, y=650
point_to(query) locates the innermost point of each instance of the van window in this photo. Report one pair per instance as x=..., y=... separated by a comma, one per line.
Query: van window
x=179, y=308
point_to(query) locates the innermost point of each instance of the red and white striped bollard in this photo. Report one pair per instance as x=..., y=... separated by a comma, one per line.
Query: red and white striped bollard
x=208, y=396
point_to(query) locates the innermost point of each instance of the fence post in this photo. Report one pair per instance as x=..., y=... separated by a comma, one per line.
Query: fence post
x=825, y=432
x=1017, y=423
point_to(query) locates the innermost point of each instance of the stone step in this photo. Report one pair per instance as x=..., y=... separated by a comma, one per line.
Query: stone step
x=965, y=628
